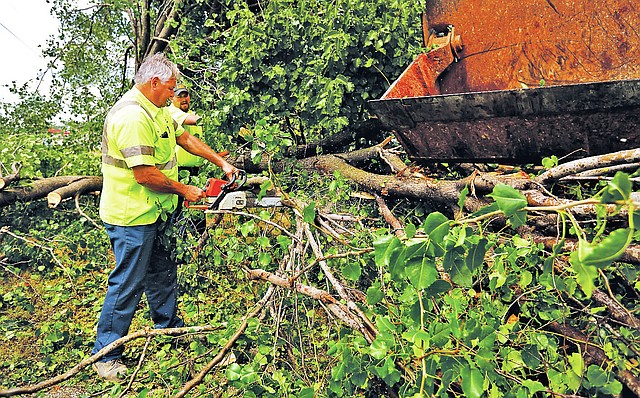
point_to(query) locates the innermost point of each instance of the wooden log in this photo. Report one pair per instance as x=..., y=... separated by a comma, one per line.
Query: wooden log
x=39, y=189
x=84, y=185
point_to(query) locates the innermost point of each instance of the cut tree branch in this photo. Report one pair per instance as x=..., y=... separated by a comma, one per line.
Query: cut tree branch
x=590, y=163
x=39, y=189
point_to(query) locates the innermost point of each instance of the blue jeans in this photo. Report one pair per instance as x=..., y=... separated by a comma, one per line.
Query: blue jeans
x=142, y=265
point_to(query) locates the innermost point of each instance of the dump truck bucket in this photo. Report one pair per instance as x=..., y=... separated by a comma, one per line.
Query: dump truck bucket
x=517, y=81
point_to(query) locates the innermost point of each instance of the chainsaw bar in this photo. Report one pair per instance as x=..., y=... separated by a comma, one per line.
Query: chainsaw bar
x=237, y=200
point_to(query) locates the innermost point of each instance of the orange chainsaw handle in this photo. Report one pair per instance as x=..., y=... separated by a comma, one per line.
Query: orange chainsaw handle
x=230, y=186
x=219, y=189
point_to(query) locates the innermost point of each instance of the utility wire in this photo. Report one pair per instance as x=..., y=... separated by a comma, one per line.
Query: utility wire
x=19, y=39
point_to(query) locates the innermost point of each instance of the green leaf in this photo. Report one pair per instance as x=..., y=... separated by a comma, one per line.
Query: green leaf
x=525, y=278
x=463, y=196
x=387, y=370
x=421, y=273
x=577, y=363
x=518, y=219
x=309, y=213
x=374, y=294
x=437, y=287
x=234, y=371
x=384, y=247
x=384, y=324
x=472, y=382
x=437, y=227
x=550, y=162
x=455, y=264
x=508, y=199
x=249, y=375
x=618, y=189
x=533, y=386
x=264, y=259
x=585, y=274
x=308, y=392
x=607, y=250
x=352, y=271
x=415, y=248
x=419, y=337
x=379, y=348
x=596, y=376
x=475, y=256
x=410, y=230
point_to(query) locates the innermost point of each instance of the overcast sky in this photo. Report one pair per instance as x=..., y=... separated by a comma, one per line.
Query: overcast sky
x=25, y=26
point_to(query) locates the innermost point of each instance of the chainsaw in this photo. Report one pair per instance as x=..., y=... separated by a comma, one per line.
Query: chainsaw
x=232, y=195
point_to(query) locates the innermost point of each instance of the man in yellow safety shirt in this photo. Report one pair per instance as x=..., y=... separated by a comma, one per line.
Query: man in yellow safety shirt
x=182, y=114
x=140, y=189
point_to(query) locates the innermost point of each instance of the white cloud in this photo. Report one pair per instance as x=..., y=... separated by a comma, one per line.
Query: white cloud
x=25, y=26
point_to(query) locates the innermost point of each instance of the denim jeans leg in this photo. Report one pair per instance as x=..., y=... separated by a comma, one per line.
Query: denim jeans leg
x=161, y=288
x=133, y=247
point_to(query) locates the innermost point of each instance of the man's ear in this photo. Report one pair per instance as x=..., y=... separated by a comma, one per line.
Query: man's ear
x=154, y=82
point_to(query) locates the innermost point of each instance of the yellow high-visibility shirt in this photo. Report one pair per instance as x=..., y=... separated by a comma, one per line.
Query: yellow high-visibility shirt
x=186, y=159
x=136, y=132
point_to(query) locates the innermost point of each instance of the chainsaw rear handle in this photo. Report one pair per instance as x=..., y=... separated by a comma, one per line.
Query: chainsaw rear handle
x=215, y=188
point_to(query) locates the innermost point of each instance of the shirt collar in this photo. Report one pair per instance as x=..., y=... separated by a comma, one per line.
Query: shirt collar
x=144, y=102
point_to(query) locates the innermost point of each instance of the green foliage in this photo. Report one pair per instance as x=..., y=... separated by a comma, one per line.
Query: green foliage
x=308, y=67
x=30, y=114
x=477, y=329
x=48, y=154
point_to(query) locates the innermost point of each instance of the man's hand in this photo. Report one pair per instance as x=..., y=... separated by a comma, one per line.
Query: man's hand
x=152, y=178
x=193, y=193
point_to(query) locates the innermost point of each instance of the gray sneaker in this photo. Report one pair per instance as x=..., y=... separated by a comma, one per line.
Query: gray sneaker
x=113, y=370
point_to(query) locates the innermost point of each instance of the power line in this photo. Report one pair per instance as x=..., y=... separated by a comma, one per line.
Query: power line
x=19, y=39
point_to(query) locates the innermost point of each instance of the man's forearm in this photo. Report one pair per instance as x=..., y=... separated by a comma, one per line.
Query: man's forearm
x=153, y=179
x=196, y=147
x=191, y=120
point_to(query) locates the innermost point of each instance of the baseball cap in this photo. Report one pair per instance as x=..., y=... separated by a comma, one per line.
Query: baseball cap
x=180, y=89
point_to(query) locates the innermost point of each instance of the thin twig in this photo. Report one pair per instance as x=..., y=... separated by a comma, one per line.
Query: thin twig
x=6, y=230
x=137, y=369
x=83, y=214
x=223, y=351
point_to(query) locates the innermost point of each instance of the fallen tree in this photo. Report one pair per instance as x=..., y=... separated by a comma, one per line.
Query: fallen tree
x=463, y=244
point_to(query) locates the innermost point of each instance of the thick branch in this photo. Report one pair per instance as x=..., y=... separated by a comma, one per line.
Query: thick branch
x=39, y=189
x=88, y=184
x=384, y=185
x=594, y=162
x=168, y=28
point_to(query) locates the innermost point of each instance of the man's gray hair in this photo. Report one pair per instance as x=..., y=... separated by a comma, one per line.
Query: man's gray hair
x=156, y=65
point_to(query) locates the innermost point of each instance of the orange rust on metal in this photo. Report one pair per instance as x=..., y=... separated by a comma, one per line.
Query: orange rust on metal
x=515, y=44
x=420, y=78
x=535, y=78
